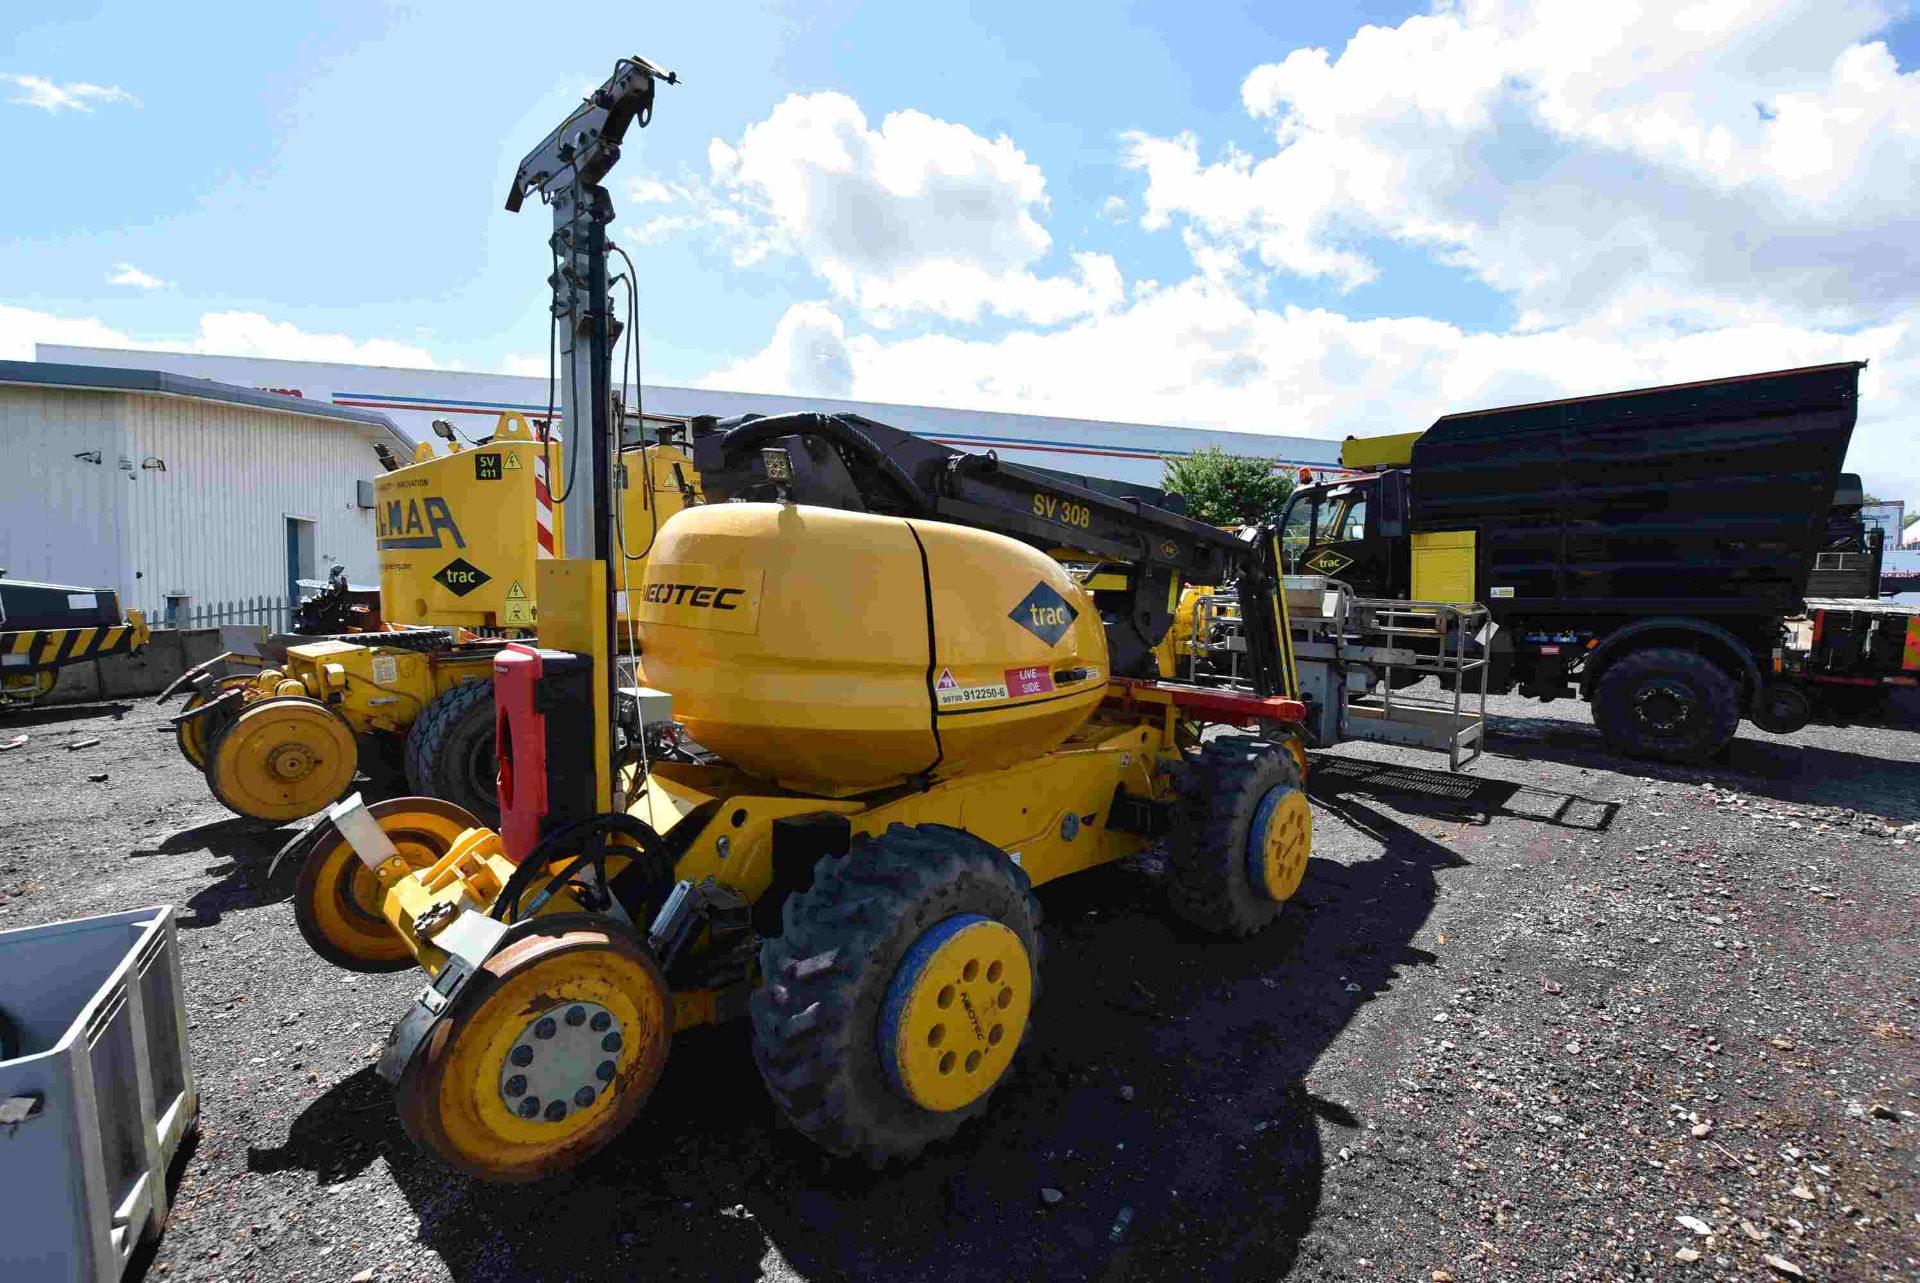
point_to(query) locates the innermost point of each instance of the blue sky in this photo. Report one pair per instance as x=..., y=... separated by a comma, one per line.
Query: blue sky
x=1143, y=211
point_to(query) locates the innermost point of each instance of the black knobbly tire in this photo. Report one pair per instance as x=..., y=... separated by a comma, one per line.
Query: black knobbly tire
x=1666, y=704
x=450, y=750
x=816, y=1016
x=1208, y=882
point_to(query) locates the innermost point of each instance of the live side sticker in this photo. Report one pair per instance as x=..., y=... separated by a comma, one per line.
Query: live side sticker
x=1029, y=681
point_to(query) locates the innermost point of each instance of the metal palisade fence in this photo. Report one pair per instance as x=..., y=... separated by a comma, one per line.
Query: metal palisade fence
x=275, y=614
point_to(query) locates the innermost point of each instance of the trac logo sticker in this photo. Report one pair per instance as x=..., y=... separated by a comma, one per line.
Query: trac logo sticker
x=1329, y=562
x=1044, y=613
x=461, y=577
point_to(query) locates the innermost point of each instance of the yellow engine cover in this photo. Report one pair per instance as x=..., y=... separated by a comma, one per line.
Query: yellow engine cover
x=838, y=652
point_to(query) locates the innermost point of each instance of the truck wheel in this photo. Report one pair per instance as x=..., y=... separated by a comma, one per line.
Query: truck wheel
x=450, y=750
x=898, y=992
x=1666, y=704
x=1246, y=830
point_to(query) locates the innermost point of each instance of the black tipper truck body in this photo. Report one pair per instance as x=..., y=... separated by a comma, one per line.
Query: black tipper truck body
x=1649, y=550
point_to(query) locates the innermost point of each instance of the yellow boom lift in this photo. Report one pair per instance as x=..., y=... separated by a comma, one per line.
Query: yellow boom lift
x=908, y=713
x=459, y=536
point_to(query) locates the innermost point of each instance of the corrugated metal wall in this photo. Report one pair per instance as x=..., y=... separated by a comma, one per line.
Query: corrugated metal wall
x=213, y=525
x=60, y=516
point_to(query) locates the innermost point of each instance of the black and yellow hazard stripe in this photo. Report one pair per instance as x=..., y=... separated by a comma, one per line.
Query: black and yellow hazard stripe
x=54, y=647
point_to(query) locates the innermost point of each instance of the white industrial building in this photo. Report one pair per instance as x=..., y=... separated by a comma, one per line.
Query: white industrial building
x=181, y=493
x=473, y=401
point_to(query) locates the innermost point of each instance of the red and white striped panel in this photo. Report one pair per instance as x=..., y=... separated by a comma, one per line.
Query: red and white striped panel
x=542, y=508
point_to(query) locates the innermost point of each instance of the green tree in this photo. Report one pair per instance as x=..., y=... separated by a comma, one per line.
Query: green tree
x=1229, y=489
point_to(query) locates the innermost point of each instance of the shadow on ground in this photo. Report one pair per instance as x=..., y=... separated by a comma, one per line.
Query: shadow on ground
x=27, y=718
x=242, y=850
x=1213, y=1166
x=1783, y=769
x=1462, y=798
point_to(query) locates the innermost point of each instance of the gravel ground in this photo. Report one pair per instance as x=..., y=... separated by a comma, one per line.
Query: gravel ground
x=1563, y=1018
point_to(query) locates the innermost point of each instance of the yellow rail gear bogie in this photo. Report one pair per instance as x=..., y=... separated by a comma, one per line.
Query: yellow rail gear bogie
x=282, y=758
x=338, y=901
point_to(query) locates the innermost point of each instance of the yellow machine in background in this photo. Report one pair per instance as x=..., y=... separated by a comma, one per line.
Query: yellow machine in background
x=459, y=535
x=31, y=658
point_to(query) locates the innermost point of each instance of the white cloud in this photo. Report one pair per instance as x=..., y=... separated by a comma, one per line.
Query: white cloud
x=1199, y=354
x=219, y=333
x=128, y=274
x=1665, y=192
x=808, y=356
x=20, y=329
x=918, y=215
x=522, y=364
x=1713, y=162
x=52, y=96
x=252, y=334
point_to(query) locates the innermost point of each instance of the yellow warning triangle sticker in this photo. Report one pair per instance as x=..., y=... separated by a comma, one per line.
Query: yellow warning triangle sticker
x=513, y=463
x=517, y=591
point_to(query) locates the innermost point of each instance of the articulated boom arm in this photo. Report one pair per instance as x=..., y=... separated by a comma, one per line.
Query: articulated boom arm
x=588, y=141
x=850, y=462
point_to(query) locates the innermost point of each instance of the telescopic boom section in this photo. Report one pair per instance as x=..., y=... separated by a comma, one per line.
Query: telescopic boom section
x=851, y=462
x=566, y=170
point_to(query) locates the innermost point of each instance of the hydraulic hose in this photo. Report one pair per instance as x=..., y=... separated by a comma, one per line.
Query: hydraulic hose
x=737, y=443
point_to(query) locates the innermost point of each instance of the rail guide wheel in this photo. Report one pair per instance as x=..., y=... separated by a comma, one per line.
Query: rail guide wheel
x=547, y=1054
x=283, y=758
x=193, y=734
x=337, y=899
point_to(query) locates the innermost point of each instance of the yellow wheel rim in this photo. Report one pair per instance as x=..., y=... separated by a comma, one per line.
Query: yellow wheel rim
x=1278, y=842
x=550, y=1065
x=282, y=759
x=955, y=1012
x=25, y=688
x=338, y=901
x=192, y=736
